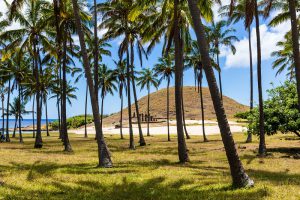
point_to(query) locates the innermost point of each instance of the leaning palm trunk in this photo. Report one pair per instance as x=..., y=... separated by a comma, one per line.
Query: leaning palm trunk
x=15, y=127
x=220, y=78
x=96, y=52
x=182, y=149
x=262, y=144
x=66, y=141
x=183, y=116
x=103, y=152
x=131, y=138
x=295, y=39
x=249, y=137
x=142, y=140
x=7, y=112
x=85, y=112
x=239, y=177
x=202, y=106
x=168, y=108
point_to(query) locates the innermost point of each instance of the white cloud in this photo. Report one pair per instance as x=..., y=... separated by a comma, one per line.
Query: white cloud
x=269, y=38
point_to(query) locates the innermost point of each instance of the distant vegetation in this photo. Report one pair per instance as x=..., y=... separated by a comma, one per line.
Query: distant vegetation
x=74, y=122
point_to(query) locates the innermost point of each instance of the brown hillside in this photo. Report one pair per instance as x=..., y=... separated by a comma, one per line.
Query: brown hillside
x=158, y=103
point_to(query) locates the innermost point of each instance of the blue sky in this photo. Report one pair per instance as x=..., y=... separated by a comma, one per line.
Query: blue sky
x=235, y=69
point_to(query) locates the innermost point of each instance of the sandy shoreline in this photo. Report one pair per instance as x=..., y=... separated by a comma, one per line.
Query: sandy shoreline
x=193, y=127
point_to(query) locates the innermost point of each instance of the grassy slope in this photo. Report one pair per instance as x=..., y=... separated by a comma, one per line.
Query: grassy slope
x=146, y=173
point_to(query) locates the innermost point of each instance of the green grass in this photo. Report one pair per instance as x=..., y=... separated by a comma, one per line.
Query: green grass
x=151, y=172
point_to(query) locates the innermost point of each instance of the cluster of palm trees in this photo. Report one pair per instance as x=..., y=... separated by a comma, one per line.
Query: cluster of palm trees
x=37, y=57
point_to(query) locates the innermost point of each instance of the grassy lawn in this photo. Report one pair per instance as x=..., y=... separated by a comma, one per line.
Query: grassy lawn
x=151, y=172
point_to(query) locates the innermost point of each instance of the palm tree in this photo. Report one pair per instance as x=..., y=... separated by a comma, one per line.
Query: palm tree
x=147, y=78
x=289, y=10
x=194, y=60
x=165, y=69
x=17, y=109
x=107, y=81
x=236, y=14
x=285, y=59
x=120, y=73
x=220, y=36
x=28, y=37
x=239, y=177
x=103, y=151
x=118, y=21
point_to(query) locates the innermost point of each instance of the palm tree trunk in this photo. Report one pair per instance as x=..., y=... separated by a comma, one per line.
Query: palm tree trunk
x=239, y=177
x=142, y=140
x=33, y=122
x=67, y=145
x=249, y=137
x=15, y=128
x=202, y=106
x=148, y=112
x=3, y=118
x=168, y=108
x=295, y=39
x=131, y=138
x=47, y=123
x=183, y=115
x=57, y=12
x=38, y=139
x=182, y=149
x=59, y=120
x=7, y=112
x=96, y=52
x=220, y=78
x=121, y=117
x=262, y=144
x=85, y=112
x=102, y=108
x=103, y=151
x=20, y=115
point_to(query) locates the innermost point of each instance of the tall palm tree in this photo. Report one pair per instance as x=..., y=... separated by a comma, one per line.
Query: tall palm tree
x=239, y=177
x=236, y=14
x=252, y=13
x=103, y=151
x=107, y=81
x=118, y=21
x=289, y=10
x=165, y=69
x=194, y=60
x=120, y=73
x=220, y=36
x=147, y=78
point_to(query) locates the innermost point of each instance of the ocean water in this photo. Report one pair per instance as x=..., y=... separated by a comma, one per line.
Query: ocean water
x=24, y=122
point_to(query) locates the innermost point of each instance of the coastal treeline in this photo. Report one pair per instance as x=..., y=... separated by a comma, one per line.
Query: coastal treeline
x=39, y=56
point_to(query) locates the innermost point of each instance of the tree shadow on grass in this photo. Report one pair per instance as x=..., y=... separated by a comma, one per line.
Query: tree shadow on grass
x=152, y=189
x=275, y=177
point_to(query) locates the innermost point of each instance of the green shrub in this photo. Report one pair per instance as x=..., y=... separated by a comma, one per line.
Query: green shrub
x=281, y=112
x=74, y=122
x=242, y=115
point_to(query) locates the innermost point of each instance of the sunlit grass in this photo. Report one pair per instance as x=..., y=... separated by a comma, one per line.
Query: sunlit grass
x=150, y=172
